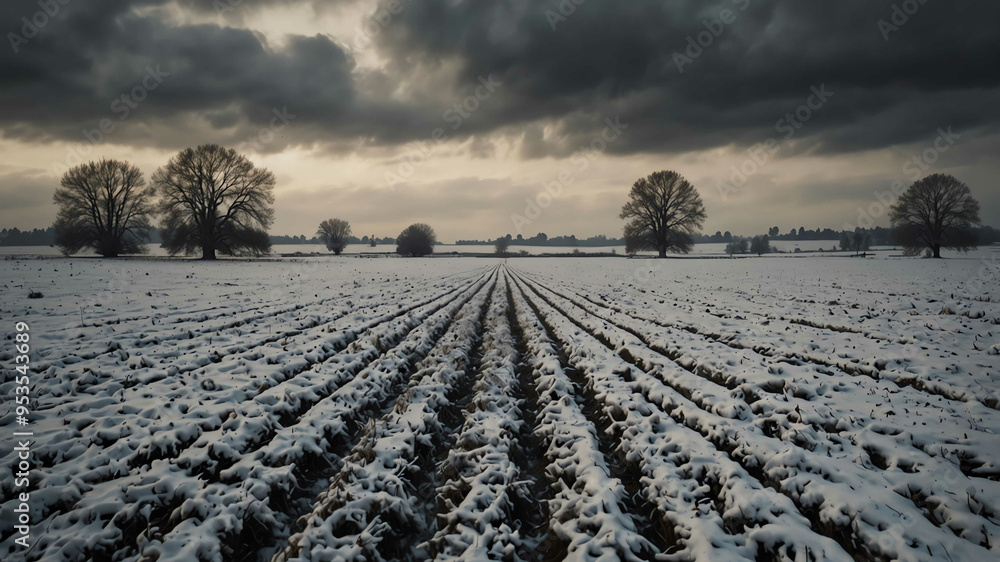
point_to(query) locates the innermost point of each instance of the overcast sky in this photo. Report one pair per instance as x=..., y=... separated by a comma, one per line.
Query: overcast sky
x=459, y=113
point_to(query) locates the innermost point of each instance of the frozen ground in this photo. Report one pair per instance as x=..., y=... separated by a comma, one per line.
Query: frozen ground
x=775, y=408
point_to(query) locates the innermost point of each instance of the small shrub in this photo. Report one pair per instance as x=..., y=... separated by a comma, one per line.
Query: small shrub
x=33, y=294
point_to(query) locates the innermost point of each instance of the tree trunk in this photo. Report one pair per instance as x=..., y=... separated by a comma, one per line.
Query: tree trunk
x=937, y=250
x=208, y=252
x=663, y=252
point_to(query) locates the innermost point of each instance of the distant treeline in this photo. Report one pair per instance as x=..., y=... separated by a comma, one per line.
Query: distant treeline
x=880, y=237
x=47, y=236
x=541, y=239
x=281, y=239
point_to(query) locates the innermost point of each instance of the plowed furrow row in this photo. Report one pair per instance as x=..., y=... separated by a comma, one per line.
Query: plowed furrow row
x=794, y=404
x=372, y=510
x=706, y=502
x=807, y=476
x=587, y=519
x=286, y=464
x=479, y=475
x=133, y=466
x=807, y=394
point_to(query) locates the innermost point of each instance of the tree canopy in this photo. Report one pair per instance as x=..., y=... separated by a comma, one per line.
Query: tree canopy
x=105, y=206
x=664, y=211
x=502, y=244
x=416, y=240
x=335, y=233
x=935, y=212
x=215, y=199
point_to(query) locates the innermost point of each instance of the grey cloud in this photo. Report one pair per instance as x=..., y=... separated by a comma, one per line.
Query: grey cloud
x=27, y=199
x=941, y=68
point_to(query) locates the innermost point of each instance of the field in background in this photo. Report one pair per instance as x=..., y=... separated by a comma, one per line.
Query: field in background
x=828, y=246
x=771, y=408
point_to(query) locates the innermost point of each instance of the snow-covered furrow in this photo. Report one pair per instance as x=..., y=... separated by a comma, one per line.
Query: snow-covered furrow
x=925, y=358
x=586, y=515
x=129, y=453
x=83, y=342
x=277, y=469
x=780, y=393
x=820, y=481
x=231, y=381
x=147, y=359
x=116, y=437
x=372, y=510
x=480, y=477
x=908, y=363
x=192, y=323
x=841, y=308
x=144, y=354
x=712, y=504
x=787, y=417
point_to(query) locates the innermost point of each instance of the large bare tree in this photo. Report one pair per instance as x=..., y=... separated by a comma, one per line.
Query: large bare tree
x=215, y=200
x=664, y=211
x=335, y=234
x=105, y=206
x=935, y=212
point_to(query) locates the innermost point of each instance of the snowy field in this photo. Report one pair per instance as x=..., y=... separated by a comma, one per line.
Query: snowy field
x=784, y=408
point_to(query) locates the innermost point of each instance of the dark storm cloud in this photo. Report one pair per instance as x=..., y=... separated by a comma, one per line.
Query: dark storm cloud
x=100, y=60
x=212, y=83
x=941, y=67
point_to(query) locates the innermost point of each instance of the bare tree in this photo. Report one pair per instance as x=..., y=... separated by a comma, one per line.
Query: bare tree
x=663, y=211
x=416, y=240
x=737, y=246
x=215, y=199
x=502, y=244
x=861, y=241
x=760, y=245
x=846, y=241
x=105, y=206
x=935, y=212
x=335, y=234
